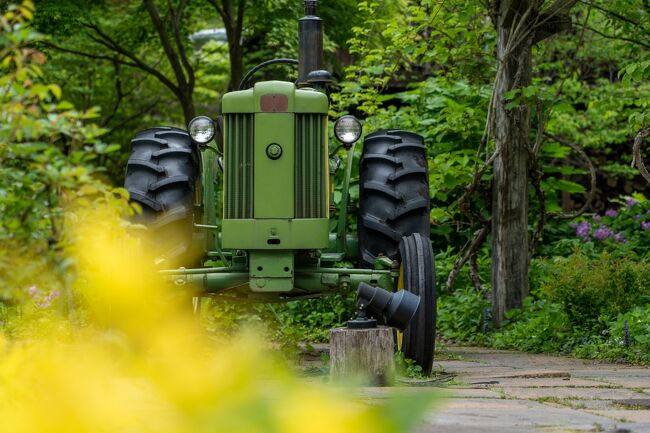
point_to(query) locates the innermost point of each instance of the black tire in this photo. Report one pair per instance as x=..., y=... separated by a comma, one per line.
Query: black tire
x=393, y=193
x=418, y=276
x=162, y=176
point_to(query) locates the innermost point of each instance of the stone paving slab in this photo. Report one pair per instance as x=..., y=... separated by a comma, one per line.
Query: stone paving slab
x=480, y=371
x=502, y=415
x=627, y=381
x=471, y=393
x=635, y=427
x=458, y=365
x=571, y=393
x=514, y=382
x=584, y=404
x=441, y=393
x=625, y=415
x=609, y=370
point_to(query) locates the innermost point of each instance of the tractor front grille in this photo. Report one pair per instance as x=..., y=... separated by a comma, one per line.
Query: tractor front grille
x=238, y=168
x=310, y=179
x=311, y=174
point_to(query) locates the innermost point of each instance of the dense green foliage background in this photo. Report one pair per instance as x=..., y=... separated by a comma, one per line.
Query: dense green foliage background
x=70, y=104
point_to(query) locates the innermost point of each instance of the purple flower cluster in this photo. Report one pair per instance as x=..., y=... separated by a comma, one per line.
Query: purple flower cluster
x=603, y=232
x=616, y=225
x=41, y=298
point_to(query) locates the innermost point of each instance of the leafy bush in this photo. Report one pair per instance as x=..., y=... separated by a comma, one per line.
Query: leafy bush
x=461, y=316
x=591, y=291
x=312, y=320
x=286, y=323
x=541, y=327
x=47, y=172
x=591, y=306
x=627, y=339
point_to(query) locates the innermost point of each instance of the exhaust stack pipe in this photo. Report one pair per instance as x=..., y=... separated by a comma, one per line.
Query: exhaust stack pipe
x=310, y=43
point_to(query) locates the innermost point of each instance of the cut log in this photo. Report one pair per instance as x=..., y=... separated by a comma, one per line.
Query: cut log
x=362, y=355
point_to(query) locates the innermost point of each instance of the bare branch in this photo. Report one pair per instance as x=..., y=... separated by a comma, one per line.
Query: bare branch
x=474, y=274
x=241, y=5
x=463, y=202
x=536, y=174
x=559, y=7
x=110, y=43
x=221, y=10
x=466, y=254
x=636, y=152
x=146, y=109
x=119, y=95
x=85, y=54
x=616, y=15
x=618, y=38
x=592, y=173
x=159, y=25
x=176, y=24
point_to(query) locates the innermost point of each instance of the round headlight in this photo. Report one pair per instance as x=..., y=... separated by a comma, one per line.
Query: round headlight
x=347, y=129
x=201, y=129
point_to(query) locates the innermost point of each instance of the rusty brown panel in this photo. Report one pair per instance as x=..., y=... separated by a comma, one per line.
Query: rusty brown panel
x=274, y=103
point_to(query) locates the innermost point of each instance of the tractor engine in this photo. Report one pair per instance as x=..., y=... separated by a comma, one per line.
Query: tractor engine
x=276, y=197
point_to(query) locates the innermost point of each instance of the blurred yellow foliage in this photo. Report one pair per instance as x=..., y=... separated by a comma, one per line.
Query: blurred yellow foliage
x=140, y=362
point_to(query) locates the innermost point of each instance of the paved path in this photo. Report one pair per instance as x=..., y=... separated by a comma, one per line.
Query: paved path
x=498, y=391
x=503, y=391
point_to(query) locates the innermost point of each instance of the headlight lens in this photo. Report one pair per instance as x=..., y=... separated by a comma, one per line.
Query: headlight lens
x=201, y=129
x=347, y=129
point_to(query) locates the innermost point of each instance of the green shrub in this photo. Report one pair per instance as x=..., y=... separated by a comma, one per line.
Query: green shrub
x=591, y=291
x=615, y=345
x=542, y=326
x=286, y=323
x=461, y=317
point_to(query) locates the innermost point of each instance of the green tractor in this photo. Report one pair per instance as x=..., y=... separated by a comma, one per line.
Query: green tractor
x=275, y=238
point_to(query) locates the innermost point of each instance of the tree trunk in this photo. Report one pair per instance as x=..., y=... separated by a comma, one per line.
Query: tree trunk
x=187, y=103
x=510, y=184
x=236, y=64
x=232, y=14
x=362, y=354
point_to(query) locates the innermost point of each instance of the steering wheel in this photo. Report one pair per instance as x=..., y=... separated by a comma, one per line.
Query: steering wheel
x=250, y=73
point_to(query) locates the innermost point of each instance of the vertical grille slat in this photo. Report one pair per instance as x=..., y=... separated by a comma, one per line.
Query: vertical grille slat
x=239, y=166
x=310, y=166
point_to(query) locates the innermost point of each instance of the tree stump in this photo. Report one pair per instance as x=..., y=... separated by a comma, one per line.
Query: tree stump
x=365, y=355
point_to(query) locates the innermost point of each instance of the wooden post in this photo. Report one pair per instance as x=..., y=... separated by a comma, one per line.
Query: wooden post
x=362, y=354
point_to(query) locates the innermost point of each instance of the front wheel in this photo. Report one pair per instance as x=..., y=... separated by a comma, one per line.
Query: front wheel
x=393, y=193
x=418, y=276
x=162, y=176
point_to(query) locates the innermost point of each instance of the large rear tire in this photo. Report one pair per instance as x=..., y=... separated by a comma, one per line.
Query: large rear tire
x=393, y=193
x=162, y=176
x=418, y=276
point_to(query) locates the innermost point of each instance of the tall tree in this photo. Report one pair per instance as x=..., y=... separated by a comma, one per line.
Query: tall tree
x=519, y=24
x=168, y=28
x=232, y=14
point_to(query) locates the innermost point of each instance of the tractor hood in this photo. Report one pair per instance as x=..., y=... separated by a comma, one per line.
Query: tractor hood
x=275, y=97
